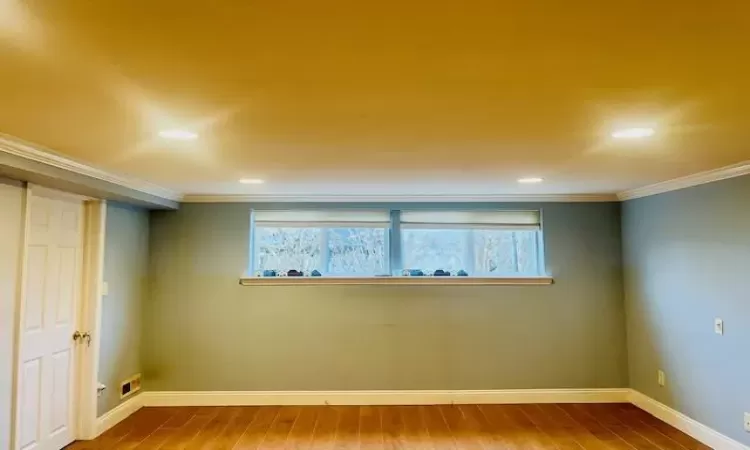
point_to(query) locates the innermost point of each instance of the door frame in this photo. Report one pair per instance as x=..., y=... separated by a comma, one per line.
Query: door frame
x=95, y=224
x=88, y=316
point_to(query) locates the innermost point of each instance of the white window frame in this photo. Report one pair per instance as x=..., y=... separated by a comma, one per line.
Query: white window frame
x=469, y=219
x=324, y=220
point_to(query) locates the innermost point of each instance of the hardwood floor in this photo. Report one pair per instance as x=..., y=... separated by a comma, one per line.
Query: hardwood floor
x=540, y=427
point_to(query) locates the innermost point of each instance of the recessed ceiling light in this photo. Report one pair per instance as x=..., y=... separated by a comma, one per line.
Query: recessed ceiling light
x=251, y=181
x=178, y=135
x=530, y=180
x=633, y=133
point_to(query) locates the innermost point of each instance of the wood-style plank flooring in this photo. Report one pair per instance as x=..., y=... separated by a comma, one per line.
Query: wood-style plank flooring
x=539, y=427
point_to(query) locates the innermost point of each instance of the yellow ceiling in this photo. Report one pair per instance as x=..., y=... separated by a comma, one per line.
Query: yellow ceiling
x=383, y=96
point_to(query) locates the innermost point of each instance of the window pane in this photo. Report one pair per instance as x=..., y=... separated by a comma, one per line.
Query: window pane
x=357, y=251
x=502, y=252
x=284, y=249
x=430, y=250
x=528, y=253
x=479, y=252
x=494, y=252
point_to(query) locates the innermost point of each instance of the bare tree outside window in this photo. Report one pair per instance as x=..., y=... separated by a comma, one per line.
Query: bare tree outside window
x=362, y=246
x=285, y=249
x=357, y=251
x=430, y=250
x=336, y=251
x=505, y=252
x=479, y=252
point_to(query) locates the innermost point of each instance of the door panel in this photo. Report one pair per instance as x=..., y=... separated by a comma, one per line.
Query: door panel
x=34, y=299
x=69, y=222
x=47, y=375
x=31, y=386
x=67, y=281
x=61, y=368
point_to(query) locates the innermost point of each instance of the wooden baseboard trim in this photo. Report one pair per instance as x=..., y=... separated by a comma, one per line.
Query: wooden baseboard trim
x=118, y=414
x=687, y=425
x=256, y=398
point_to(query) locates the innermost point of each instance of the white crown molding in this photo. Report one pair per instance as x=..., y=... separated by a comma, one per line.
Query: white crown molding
x=32, y=152
x=427, y=198
x=708, y=176
x=36, y=153
x=687, y=425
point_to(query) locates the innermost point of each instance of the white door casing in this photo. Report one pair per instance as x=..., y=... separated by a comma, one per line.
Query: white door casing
x=93, y=272
x=12, y=198
x=47, y=375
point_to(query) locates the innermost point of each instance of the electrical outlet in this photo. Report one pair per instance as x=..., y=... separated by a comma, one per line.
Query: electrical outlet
x=130, y=386
x=747, y=422
x=661, y=378
x=718, y=326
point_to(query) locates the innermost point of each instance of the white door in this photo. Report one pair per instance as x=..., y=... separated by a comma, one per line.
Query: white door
x=49, y=313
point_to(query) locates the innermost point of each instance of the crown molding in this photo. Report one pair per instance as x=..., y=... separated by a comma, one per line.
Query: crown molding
x=32, y=152
x=429, y=198
x=38, y=154
x=709, y=176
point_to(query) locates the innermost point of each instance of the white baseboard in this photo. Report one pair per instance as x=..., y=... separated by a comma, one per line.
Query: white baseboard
x=118, y=414
x=257, y=398
x=697, y=430
x=687, y=425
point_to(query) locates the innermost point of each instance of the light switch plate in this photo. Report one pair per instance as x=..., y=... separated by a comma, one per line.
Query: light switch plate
x=747, y=422
x=718, y=326
x=661, y=378
x=105, y=288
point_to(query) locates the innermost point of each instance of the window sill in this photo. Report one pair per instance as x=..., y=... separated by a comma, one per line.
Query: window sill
x=408, y=281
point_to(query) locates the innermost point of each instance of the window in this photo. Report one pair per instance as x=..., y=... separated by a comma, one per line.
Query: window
x=340, y=243
x=360, y=243
x=480, y=243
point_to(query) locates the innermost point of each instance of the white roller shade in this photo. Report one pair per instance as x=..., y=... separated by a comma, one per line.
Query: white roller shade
x=323, y=218
x=502, y=220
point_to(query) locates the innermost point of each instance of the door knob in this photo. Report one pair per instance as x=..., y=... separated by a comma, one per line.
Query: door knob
x=77, y=335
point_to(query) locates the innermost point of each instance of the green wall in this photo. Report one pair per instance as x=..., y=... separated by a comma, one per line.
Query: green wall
x=206, y=332
x=687, y=262
x=125, y=270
